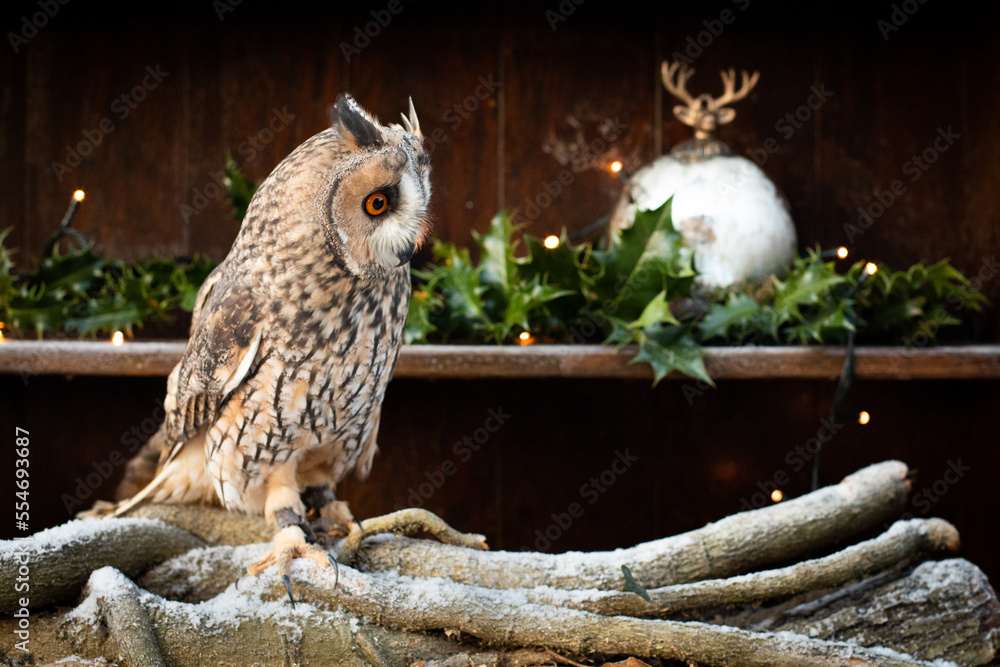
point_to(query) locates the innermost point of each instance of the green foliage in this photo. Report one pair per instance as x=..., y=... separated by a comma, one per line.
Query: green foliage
x=901, y=305
x=638, y=288
x=87, y=294
x=239, y=189
x=815, y=304
x=493, y=300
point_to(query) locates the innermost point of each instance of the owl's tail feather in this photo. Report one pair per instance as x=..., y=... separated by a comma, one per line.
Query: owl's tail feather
x=141, y=470
x=181, y=477
x=141, y=479
x=125, y=505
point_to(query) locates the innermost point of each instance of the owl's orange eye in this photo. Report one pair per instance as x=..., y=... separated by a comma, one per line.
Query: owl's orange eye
x=376, y=203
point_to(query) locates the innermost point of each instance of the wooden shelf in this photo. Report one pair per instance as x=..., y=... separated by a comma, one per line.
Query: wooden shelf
x=157, y=358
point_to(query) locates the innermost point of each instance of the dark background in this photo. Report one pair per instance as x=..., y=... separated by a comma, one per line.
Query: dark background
x=697, y=459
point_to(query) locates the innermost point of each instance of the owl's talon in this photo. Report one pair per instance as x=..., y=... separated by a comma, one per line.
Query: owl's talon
x=336, y=570
x=289, y=544
x=288, y=586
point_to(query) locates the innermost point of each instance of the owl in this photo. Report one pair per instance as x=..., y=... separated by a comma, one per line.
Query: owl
x=295, y=334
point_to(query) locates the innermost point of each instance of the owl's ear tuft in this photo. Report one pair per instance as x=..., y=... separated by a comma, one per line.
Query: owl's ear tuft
x=356, y=127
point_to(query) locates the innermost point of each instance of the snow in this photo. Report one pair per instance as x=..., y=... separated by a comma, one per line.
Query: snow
x=73, y=533
x=75, y=661
x=217, y=616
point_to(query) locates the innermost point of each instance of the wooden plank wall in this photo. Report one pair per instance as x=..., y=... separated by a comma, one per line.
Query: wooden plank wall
x=556, y=91
x=151, y=181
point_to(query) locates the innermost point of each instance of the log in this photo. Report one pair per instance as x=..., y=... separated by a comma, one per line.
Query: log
x=938, y=609
x=738, y=543
x=60, y=559
x=413, y=601
x=213, y=525
x=242, y=626
x=118, y=599
x=236, y=630
x=412, y=521
x=733, y=545
x=508, y=612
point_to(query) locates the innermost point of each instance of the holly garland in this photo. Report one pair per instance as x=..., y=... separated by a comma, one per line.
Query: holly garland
x=83, y=293
x=636, y=287
x=639, y=288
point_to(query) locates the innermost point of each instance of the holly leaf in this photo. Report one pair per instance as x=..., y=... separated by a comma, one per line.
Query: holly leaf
x=115, y=313
x=656, y=312
x=239, y=189
x=524, y=300
x=31, y=309
x=418, y=322
x=8, y=280
x=809, y=283
x=669, y=348
x=643, y=260
x=822, y=326
x=71, y=275
x=460, y=283
x=562, y=266
x=496, y=259
x=740, y=311
x=631, y=586
x=621, y=335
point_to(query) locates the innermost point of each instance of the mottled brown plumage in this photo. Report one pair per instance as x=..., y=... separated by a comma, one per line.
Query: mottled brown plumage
x=296, y=332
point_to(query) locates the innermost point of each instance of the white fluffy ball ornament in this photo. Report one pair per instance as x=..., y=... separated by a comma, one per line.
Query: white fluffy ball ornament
x=726, y=208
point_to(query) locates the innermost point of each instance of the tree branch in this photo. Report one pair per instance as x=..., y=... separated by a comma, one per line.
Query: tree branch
x=410, y=521
x=61, y=559
x=904, y=542
x=739, y=543
x=736, y=544
x=126, y=617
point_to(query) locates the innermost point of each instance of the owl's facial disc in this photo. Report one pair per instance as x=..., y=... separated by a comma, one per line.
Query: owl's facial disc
x=376, y=211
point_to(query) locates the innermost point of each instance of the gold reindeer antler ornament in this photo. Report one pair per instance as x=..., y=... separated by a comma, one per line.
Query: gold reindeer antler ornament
x=704, y=113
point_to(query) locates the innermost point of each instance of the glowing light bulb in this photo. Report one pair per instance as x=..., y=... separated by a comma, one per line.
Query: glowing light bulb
x=842, y=252
x=871, y=268
x=118, y=338
x=616, y=166
x=864, y=417
x=524, y=335
x=79, y=195
x=525, y=338
x=1, y=337
x=551, y=242
x=777, y=495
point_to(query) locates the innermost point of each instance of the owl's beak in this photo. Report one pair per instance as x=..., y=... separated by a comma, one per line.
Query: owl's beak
x=405, y=255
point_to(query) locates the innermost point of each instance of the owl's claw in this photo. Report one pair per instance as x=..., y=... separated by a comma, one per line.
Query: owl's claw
x=336, y=570
x=288, y=587
x=289, y=544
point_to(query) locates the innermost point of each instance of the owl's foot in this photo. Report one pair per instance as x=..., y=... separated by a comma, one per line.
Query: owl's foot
x=290, y=543
x=330, y=518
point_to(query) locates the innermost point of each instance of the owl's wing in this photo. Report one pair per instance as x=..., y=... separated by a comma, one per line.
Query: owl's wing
x=226, y=333
x=370, y=445
x=206, y=290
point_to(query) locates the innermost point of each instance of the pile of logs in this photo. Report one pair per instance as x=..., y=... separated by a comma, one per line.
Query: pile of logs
x=166, y=587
